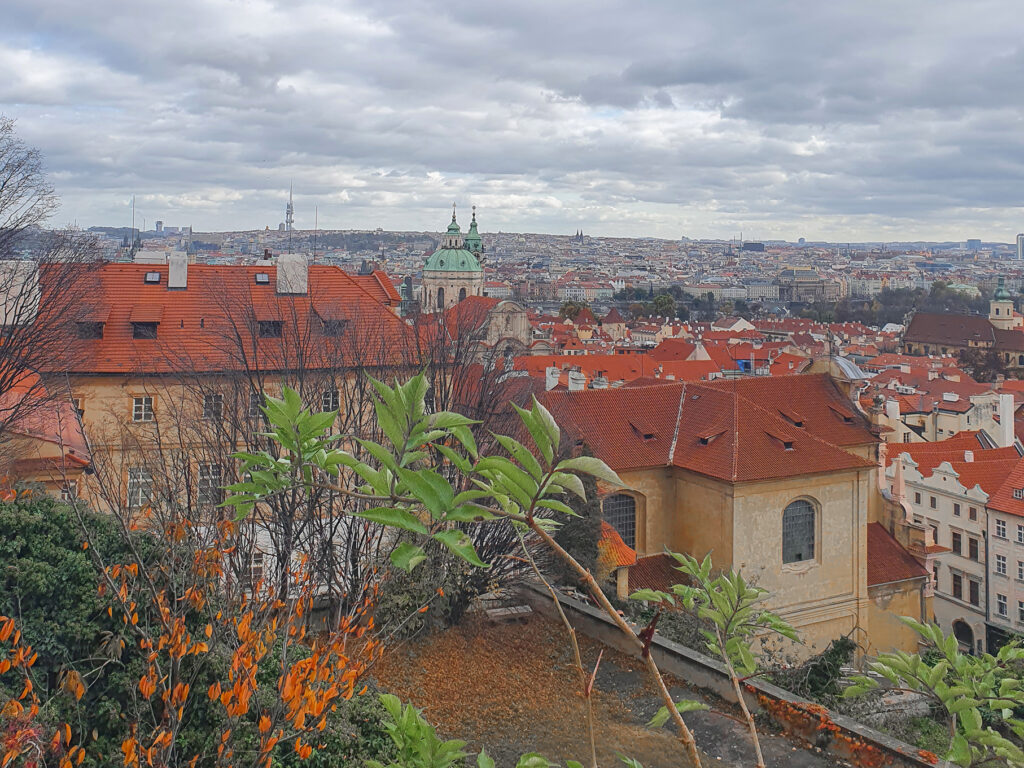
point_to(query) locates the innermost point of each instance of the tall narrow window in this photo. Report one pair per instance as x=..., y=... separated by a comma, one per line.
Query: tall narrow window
x=798, y=532
x=958, y=586
x=975, y=592
x=255, y=403
x=142, y=409
x=140, y=487
x=620, y=514
x=209, y=484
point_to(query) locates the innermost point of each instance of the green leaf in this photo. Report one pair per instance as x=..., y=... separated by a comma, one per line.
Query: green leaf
x=534, y=760
x=460, y=544
x=519, y=452
x=659, y=719
x=483, y=760
x=537, y=432
x=594, y=467
x=652, y=596
x=960, y=752
x=407, y=556
x=393, y=517
x=547, y=422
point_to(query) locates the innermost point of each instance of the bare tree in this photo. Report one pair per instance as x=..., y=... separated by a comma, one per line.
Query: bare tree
x=26, y=198
x=45, y=287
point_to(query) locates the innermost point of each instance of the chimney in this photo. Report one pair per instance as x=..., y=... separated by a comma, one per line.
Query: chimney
x=968, y=456
x=577, y=381
x=932, y=375
x=892, y=410
x=1006, y=431
x=177, y=270
x=599, y=383
x=551, y=377
x=292, y=273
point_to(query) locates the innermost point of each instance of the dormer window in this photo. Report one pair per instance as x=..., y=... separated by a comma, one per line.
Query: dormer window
x=270, y=329
x=152, y=278
x=90, y=330
x=144, y=330
x=262, y=278
x=792, y=417
x=1018, y=493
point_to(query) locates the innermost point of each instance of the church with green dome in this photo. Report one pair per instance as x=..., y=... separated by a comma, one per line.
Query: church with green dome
x=455, y=270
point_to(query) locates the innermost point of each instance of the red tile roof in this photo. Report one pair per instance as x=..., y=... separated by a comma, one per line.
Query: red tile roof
x=734, y=431
x=208, y=326
x=888, y=561
x=655, y=572
x=1004, y=500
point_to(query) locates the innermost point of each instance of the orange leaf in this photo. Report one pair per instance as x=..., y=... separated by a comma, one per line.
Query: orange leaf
x=264, y=724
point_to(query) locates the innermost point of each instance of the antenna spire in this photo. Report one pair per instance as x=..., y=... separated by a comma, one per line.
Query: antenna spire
x=453, y=213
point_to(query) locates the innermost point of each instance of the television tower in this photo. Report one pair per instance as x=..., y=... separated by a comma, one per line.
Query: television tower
x=289, y=212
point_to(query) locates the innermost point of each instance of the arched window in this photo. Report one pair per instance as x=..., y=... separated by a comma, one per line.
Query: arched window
x=462, y=294
x=620, y=514
x=798, y=532
x=440, y=298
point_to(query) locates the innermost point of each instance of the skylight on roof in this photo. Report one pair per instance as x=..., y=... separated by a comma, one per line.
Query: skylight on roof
x=262, y=277
x=152, y=277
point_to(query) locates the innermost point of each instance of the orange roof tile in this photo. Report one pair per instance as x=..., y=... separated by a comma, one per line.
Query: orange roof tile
x=727, y=430
x=208, y=326
x=888, y=561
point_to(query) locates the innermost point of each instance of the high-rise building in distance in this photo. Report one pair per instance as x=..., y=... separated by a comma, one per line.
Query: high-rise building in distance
x=1020, y=247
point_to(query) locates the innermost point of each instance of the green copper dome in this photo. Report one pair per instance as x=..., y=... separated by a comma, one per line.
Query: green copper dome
x=453, y=255
x=473, y=241
x=1001, y=293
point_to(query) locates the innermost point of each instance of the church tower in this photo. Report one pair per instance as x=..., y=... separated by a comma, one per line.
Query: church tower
x=1000, y=312
x=454, y=271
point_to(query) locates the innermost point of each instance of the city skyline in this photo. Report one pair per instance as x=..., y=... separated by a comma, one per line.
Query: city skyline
x=795, y=120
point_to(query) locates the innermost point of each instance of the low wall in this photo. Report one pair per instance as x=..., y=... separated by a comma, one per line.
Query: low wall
x=818, y=726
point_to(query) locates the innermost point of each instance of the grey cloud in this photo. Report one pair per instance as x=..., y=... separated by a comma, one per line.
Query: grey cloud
x=830, y=119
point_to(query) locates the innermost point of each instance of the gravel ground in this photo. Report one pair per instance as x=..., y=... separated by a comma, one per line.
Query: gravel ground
x=512, y=688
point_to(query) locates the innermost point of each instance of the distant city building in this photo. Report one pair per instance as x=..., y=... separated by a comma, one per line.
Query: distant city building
x=159, y=227
x=1020, y=247
x=973, y=244
x=289, y=212
x=757, y=247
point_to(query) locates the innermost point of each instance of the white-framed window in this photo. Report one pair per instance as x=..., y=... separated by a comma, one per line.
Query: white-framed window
x=142, y=409
x=1020, y=611
x=1001, y=529
x=330, y=400
x=208, y=486
x=213, y=406
x=972, y=512
x=1001, y=605
x=799, y=530
x=1018, y=493
x=1020, y=570
x=1001, y=565
x=1020, y=533
x=69, y=491
x=619, y=512
x=956, y=509
x=140, y=486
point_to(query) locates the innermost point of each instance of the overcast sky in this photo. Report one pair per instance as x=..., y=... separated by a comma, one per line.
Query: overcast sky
x=854, y=120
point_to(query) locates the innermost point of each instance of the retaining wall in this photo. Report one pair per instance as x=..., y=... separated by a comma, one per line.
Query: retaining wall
x=812, y=723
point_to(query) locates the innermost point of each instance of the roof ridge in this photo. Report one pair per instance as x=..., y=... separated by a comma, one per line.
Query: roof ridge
x=675, y=433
